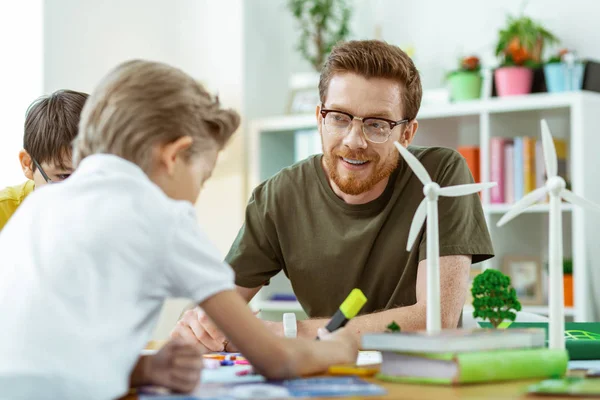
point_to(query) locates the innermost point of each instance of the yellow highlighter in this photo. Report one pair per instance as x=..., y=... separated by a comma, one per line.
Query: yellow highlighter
x=353, y=369
x=348, y=310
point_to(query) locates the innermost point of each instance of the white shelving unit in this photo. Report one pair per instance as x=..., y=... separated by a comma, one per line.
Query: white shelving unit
x=574, y=117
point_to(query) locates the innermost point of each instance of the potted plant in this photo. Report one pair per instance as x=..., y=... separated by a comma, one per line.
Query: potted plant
x=323, y=23
x=520, y=46
x=494, y=298
x=563, y=72
x=465, y=82
x=568, y=282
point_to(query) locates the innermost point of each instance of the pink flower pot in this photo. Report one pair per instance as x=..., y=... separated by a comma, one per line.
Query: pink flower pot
x=511, y=81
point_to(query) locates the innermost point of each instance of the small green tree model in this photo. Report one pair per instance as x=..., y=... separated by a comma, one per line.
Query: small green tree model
x=493, y=297
x=323, y=23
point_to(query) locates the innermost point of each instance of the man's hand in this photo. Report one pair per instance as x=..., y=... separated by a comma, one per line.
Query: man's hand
x=176, y=366
x=195, y=326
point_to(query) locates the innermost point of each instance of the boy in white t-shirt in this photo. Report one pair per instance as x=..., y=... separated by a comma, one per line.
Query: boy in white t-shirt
x=87, y=264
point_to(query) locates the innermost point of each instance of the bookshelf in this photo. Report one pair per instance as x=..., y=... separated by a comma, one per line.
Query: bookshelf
x=573, y=117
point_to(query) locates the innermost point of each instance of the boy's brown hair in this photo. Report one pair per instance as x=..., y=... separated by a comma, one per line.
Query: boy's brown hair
x=51, y=126
x=375, y=59
x=140, y=104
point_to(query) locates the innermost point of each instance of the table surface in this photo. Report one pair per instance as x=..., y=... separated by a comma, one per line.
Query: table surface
x=505, y=390
x=496, y=391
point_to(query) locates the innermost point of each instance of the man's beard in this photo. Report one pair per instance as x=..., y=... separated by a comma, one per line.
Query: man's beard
x=351, y=184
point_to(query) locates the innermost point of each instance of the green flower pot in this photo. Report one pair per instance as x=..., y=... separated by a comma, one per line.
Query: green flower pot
x=465, y=85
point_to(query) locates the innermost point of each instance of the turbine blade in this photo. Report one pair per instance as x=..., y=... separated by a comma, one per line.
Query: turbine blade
x=462, y=190
x=417, y=223
x=414, y=164
x=522, y=204
x=549, y=150
x=578, y=200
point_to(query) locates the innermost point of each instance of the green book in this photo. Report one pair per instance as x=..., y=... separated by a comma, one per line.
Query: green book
x=582, y=339
x=473, y=367
x=570, y=386
x=454, y=340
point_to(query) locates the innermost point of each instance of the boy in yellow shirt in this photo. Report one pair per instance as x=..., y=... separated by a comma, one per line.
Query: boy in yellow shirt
x=50, y=127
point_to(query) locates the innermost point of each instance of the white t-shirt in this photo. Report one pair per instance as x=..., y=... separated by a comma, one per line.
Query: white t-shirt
x=85, y=266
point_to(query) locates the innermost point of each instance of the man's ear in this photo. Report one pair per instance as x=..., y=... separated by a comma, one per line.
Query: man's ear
x=168, y=153
x=409, y=133
x=319, y=117
x=26, y=164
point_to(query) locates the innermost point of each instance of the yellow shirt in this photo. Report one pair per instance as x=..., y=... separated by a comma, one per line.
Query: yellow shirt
x=11, y=198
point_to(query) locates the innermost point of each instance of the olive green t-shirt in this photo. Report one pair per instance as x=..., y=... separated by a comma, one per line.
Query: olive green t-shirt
x=295, y=222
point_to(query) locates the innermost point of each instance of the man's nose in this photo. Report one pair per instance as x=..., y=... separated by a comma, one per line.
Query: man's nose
x=355, y=139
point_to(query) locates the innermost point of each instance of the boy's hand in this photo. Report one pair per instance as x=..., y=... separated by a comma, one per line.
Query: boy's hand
x=195, y=326
x=176, y=366
x=349, y=344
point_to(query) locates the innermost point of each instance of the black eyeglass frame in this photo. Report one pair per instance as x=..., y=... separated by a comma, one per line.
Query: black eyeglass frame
x=393, y=124
x=44, y=175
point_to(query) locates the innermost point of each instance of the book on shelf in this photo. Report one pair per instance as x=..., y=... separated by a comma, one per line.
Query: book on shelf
x=509, y=174
x=518, y=159
x=455, y=340
x=471, y=156
x=497, y=169
x=473, y=367
x=518, y=166
x=528, y=164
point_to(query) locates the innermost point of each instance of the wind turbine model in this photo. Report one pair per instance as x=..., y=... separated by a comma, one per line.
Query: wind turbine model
x=555, y=187
x=428, y=208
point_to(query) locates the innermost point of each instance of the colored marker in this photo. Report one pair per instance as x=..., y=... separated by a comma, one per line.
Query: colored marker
x=245, y=372
x=348, y=310
x=352, y=369
x=229, y=357
x=210, y=363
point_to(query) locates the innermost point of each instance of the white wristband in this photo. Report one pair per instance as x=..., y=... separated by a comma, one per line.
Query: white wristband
x=290, y=329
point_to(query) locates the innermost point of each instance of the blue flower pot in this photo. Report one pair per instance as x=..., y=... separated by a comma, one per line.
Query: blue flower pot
x=559, y=78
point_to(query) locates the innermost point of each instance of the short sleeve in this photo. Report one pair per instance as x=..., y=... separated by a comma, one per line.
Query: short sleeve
x=252, y=255
x=7, y=209
x=194, y=267
x=462, y=226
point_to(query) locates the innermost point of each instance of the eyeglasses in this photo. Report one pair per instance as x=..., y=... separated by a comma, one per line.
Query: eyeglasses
x=376, y=130
x=46, y=177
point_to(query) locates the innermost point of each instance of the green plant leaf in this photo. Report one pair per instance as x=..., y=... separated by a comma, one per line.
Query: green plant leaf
x=322, y=24
x=393, y=327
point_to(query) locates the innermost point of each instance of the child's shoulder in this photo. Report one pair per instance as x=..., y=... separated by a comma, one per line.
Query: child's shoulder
x=16, y=193
x=11, y=198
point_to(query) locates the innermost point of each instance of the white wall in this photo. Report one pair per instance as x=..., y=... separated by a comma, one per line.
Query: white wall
x=84, y=39
x=270, y=39
x=21, y=75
